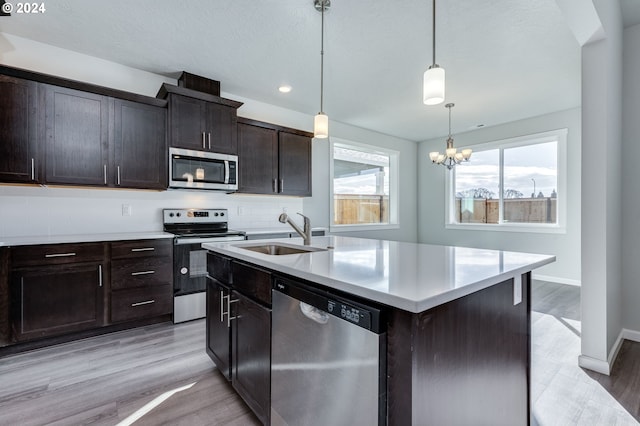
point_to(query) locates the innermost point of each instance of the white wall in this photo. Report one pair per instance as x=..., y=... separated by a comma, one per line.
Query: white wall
x=28, y=210
x=630, y=179
x=601, y=294
x=431, y=190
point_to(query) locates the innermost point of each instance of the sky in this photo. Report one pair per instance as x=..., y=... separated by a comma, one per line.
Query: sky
x=525, y=167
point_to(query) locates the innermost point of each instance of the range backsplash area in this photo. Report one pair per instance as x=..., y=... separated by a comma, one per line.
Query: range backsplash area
x=43, y=211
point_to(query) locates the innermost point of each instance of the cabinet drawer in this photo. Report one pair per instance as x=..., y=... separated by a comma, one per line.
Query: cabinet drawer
x=149, y=271
x=141, y=248
x=56, y=254
x=219, y=268
x=252, y=281
x=143, y=302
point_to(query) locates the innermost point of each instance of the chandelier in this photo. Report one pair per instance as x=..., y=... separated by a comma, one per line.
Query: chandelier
x=451, y=156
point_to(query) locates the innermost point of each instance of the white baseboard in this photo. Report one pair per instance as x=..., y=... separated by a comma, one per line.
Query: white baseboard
x=593, y=364
x=631, y=335
x=604, y=367
x=556, y=279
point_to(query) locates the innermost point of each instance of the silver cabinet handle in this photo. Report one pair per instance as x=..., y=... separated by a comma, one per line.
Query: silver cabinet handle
x=143, y=249
x=226, y=171
x=222, y=305
x=275, y=185
x=60, y=255
x=143, y=273
x=105, y=174
x=118, y=176
x=146, y=302
x=209, y=140
x=100, y=275
x=33, y=169
x=281, y=185
x=228, y=312
x=203, y=142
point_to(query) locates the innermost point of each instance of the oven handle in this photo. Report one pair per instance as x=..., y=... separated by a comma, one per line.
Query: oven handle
x=196, y=240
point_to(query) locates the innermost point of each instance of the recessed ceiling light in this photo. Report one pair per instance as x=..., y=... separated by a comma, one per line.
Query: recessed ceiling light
x=284, y=88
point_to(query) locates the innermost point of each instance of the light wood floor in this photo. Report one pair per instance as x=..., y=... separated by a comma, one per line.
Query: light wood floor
x=106, y=379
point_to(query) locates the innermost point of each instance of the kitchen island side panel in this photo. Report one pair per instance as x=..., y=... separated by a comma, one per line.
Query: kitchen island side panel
x=470, y=361
x=4, y=296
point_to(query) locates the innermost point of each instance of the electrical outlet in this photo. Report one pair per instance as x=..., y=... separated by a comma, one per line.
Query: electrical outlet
x=126, y=210
x=242, y=211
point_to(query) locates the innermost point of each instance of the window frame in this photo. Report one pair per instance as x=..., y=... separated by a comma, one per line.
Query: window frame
x=559, y=136
x=394, y=193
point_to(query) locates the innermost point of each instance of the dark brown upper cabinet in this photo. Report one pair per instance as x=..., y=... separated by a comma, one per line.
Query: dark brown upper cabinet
x=77, y=137
x=58, y=131
x=201, y=121
x=139, y=145
x=19, y=160
x=273, y=159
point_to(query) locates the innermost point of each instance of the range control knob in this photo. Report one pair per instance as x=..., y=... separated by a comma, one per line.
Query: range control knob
x=170, y=214
x=215, y=214
x=221, y=214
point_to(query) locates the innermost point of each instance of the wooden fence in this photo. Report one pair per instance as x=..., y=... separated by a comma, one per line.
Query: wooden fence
x=358, y=209
x=516, y=210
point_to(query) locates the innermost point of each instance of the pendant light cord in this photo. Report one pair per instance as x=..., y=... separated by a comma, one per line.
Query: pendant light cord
x=322, y=59
x=434, y=32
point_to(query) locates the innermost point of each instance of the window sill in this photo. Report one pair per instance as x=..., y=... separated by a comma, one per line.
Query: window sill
x=509, y=227
x=364, y=227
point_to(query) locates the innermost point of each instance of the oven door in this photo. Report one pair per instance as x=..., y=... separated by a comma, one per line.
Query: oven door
x=190, y=263
x=202, y=170
x=190, y=277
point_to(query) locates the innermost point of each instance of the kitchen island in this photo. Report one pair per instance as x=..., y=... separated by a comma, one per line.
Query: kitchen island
x=457, y=320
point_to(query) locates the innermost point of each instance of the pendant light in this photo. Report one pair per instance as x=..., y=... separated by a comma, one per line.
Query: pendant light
x=321, y=120
x=433, y=81
x=451, y=156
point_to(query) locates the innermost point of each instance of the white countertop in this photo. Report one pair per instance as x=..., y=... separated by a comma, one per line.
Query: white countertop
x=408, y=276
x=82, y=238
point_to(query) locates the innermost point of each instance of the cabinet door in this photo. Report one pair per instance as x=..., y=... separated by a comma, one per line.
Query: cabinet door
x=251, y=350
x=294, y=164
x=218, y=327
x=221, y=131
x=257, y=159
x=186, y=121
x=52, y=300
x=76, y=136
x=18, y=127
x=140, y=149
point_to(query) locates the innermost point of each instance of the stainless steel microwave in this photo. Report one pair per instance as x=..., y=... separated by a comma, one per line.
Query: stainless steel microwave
x=202, y=170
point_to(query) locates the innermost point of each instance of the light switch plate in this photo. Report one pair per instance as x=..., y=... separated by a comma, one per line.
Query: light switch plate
x=126, y=210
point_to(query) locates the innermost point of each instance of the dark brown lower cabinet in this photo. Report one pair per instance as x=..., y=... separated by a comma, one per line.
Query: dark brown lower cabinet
x=251, y=348
x=56, y=299
x=218, y=326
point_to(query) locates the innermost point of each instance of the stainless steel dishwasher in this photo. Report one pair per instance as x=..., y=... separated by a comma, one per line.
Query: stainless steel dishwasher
x=328, y=359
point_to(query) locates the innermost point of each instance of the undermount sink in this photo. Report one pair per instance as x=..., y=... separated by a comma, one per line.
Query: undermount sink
x=279, y=249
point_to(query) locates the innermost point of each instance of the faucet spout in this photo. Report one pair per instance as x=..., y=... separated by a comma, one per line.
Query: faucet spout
x=304, y=233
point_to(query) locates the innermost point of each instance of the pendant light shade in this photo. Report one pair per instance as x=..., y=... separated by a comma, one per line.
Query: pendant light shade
x=321, y=126
x=433, y=85
x=433, y=81
x=321, y=120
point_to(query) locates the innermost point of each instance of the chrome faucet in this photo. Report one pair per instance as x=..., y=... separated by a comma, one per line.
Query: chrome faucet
x=306, y=233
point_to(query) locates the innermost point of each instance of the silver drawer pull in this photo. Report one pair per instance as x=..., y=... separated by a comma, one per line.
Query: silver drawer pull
x=146, y=302
x=143, y=249
x=143, y=273
x=60, y=255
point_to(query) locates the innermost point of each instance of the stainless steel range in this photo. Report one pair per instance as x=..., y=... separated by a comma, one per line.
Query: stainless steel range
x=192, y=228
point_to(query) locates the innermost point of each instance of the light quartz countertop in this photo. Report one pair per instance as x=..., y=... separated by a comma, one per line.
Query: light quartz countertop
x=408, y=276
x=82, y=238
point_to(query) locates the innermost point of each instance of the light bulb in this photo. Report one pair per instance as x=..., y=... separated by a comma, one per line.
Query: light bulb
x=466, y=153
x=434, y=155
x=451, y=152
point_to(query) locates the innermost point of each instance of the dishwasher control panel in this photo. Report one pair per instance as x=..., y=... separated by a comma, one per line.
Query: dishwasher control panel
x=349, y=313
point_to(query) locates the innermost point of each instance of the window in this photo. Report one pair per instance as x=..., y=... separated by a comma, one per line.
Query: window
x=529, y=169
x=363, y=186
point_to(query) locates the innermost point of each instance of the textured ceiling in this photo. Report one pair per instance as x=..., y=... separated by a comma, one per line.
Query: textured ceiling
x=505, y=59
